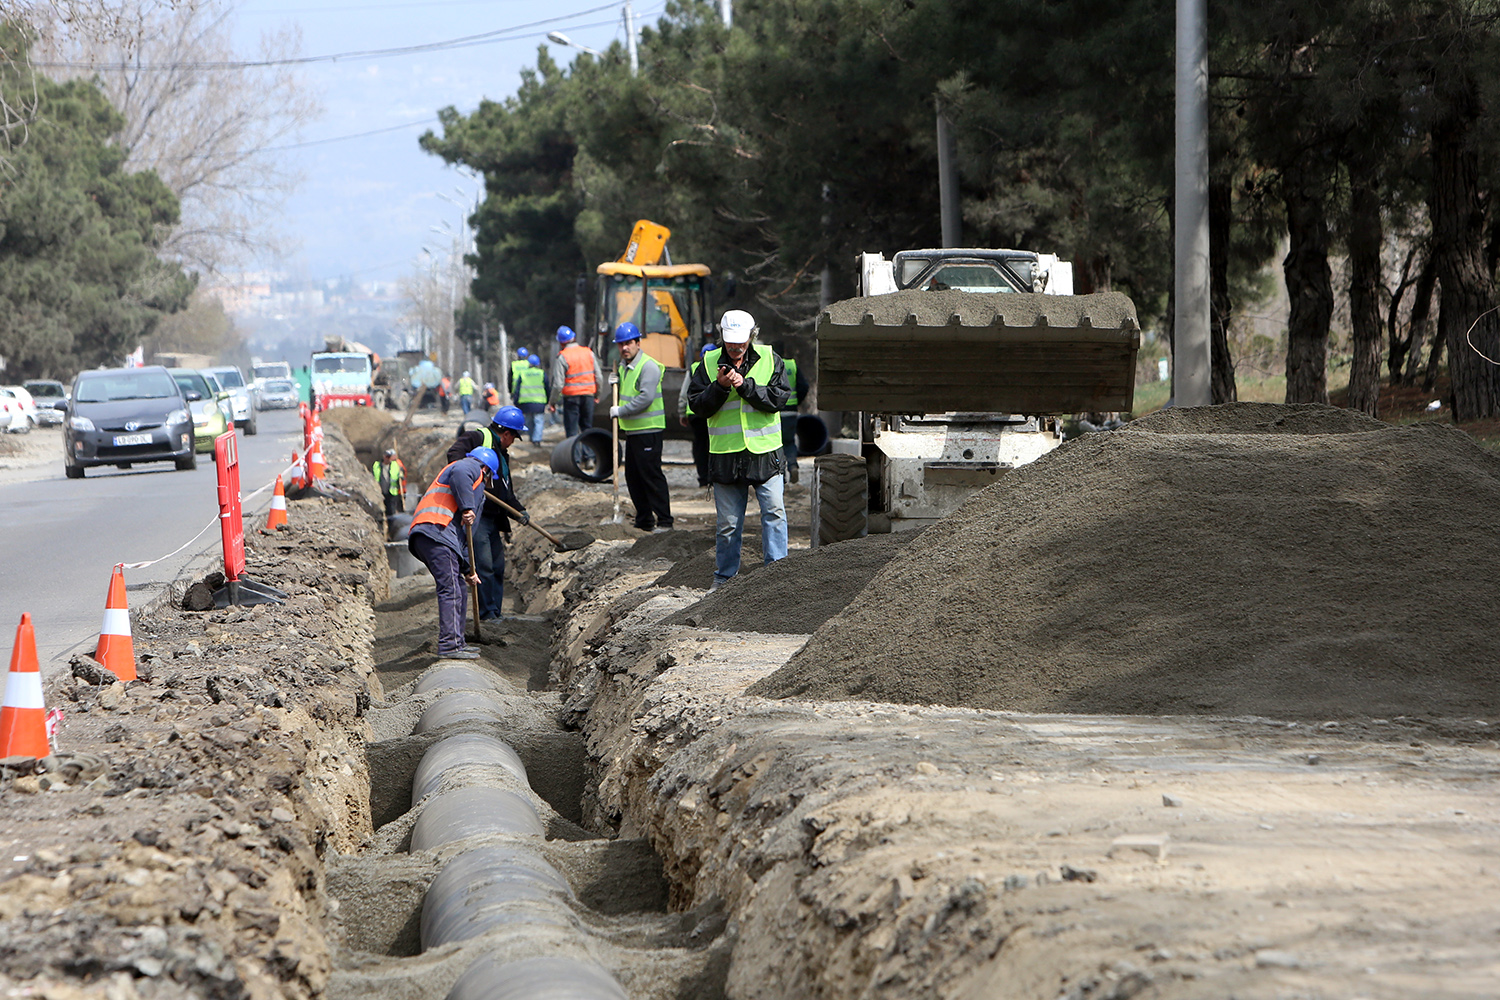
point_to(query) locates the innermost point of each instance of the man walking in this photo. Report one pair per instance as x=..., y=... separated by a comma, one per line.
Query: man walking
x=529, y=390
x=450, y=502
x=489, y=552
x=390, y=476
x=466, y=393
x=741, y=389
x=576, y=381
x=643, y=421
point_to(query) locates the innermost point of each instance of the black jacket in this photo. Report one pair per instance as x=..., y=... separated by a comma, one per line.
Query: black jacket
x=706, y=395
x=501, y=487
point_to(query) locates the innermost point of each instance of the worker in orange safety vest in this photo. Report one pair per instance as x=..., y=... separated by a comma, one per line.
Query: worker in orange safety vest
x=576, y=381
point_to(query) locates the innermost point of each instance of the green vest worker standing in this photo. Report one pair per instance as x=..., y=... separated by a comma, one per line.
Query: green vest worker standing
x=466, y=393
x=643, y=421
x=741, y=390
x=390, y=475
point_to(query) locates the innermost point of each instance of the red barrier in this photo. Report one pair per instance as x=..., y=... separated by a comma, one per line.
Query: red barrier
x=237, y=589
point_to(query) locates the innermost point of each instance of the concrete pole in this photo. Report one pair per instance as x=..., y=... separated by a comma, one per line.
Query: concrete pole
x=505, y=359
x=635, y=60
x=951, y=212
x=1192, y=360
x=726, y=12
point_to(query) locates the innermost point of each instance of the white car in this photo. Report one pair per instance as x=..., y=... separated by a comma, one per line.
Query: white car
x=13, y=418
x=28, y=405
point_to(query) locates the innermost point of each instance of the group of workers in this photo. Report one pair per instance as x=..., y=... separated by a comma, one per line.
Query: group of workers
x=737, y=399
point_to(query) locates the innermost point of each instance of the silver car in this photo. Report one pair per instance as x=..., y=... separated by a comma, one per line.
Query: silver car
x=279, y=394
x=239, y=395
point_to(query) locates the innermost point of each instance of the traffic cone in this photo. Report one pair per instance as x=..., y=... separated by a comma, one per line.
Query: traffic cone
x=116, y=647
x=23, y=719
x=315, y=467
x=277, y=516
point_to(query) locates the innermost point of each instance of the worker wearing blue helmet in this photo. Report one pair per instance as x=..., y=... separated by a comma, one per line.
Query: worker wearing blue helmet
x=493, y=525
x=643, y=421
x=438, y=538
x=696, y=422
x=576, y=383
x=528, y=387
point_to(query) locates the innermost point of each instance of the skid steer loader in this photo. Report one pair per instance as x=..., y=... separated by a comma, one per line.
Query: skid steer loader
x=960, y=364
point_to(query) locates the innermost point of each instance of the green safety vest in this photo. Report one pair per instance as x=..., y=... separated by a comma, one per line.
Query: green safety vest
x=466, y=387
x=394, y=471
x=737, y=426
x=655, y=417
x=518, y=365
x=532, y=389
x=696, y=364
x=791, y=380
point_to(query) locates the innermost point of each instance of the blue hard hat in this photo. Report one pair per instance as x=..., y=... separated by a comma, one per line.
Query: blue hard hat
x=565, y=335
x=521, y=353
x=535, y=361
x=488, y=457
x=510, y=418
x=627, y=331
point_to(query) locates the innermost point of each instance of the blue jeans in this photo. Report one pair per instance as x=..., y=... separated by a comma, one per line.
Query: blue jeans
x=467, y=402
x=537, y=421
x=489, y=563
x=729, y=501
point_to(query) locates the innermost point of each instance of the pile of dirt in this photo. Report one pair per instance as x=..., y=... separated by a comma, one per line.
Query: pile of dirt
x=673, y=545
x=1249, y=559
x=797, y=594
x=364, y=426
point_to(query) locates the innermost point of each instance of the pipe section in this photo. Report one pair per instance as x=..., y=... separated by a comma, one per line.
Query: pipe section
x=460, y=706
x=456, y=677
x=554, y=978
x=472, y=812
x=492, y=887
x=463, y=750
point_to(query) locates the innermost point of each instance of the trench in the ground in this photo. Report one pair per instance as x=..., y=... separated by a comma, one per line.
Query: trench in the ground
x=616, y=889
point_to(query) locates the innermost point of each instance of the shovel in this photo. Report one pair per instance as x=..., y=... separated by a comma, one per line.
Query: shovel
x=472, y=588
x=615, y=442
x=574, y=539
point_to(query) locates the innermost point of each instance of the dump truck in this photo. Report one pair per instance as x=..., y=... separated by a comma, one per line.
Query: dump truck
x=960, y=365
x=670, y=303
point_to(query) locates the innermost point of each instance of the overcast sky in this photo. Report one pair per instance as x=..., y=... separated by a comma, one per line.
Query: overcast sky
x=368, y=205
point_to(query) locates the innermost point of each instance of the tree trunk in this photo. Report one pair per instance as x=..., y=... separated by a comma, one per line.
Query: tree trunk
x=1434, y=357
x=1421, y=319
x=1458, y=244
x=1365, y=234
x=1309, y=284
x=1220, y=218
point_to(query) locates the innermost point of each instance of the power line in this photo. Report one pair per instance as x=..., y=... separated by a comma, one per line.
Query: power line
x=465, y=41
x=341, y=138
x=365, y=8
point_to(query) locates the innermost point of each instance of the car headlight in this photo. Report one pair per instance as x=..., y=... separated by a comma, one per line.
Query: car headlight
x=81, y=423
x=177, y=417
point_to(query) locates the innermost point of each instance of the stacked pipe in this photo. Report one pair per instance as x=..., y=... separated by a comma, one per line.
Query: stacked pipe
x=473, y=784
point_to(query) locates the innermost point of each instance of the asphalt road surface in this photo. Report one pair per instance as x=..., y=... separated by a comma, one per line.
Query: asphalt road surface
x=60, y=538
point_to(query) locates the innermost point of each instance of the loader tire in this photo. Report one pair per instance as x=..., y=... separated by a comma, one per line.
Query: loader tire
x=841, y=499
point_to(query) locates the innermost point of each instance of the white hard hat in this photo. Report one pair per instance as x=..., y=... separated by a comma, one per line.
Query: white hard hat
x=466, y=374
x=737, y=326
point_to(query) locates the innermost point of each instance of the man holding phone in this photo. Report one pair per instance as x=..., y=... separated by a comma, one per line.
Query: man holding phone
x=742, y=401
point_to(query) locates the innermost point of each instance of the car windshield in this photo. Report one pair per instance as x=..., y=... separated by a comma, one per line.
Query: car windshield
x=279, y=385
x=330, y=366
x=271, y=371
x=124, y=385
x=229, y=377
x=192, y=382
x=48, y=389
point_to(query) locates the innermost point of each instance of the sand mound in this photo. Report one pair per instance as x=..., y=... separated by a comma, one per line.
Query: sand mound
x=796, y=594
x=1256, y=418
x=674, y=545
x=1301, y=575
x=364, y=426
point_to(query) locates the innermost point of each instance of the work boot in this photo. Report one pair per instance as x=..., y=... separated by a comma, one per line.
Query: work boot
x=462, y=654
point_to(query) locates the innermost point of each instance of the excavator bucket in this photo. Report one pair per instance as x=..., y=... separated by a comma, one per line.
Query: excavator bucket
x=978, y=352
x=647, y=240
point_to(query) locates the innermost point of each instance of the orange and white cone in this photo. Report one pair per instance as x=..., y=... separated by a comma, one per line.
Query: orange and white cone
x=23, y=719
x=116, y=646
x=277, y=515
x=315, y=467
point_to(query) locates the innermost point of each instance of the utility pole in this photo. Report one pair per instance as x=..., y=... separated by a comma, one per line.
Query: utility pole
x=1191, y=345
x=635, y=61
x=726, y=12
x=950, y=211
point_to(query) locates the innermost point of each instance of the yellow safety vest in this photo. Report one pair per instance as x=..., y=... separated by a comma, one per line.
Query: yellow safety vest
x=532, y=388
x=791, y=380
x=737, y=426
x=655, y=417
x=466, y=386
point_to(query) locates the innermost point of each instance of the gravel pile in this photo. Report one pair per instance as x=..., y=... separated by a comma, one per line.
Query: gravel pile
x=1297, y=562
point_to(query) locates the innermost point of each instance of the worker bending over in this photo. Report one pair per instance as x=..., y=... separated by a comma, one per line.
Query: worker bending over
x=741, y=389
x=450, y=503
x=643, y=421
x=494, y=523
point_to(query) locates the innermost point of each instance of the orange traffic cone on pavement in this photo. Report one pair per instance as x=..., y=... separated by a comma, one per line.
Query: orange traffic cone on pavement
x=277, y=516
x=116, y=647
x=23, y=719
x=315, y=467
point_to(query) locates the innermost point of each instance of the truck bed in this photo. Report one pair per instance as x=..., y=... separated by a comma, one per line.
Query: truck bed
x=940, y=351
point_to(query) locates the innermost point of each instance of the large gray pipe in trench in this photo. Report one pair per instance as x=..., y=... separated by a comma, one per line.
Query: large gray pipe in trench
x=492, y=887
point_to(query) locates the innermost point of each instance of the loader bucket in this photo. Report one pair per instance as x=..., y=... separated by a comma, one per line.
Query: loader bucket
x=944, y=351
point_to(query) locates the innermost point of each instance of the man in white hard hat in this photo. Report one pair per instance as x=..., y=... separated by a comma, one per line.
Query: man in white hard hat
x=741, y=388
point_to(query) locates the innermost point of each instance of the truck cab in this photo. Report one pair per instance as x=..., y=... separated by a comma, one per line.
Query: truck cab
x=342, y=378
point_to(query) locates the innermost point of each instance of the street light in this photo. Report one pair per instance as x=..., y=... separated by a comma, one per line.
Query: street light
x=558, y=38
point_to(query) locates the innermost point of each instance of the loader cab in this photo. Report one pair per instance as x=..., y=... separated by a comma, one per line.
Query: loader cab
x=668, y=302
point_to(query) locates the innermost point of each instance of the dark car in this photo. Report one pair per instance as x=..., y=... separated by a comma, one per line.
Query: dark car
x=119, y=416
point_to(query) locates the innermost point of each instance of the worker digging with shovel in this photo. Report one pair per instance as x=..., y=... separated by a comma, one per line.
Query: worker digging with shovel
x=453, y=500
x=493, y=524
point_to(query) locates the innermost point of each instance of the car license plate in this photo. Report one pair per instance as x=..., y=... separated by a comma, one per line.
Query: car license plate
x=121, y=440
